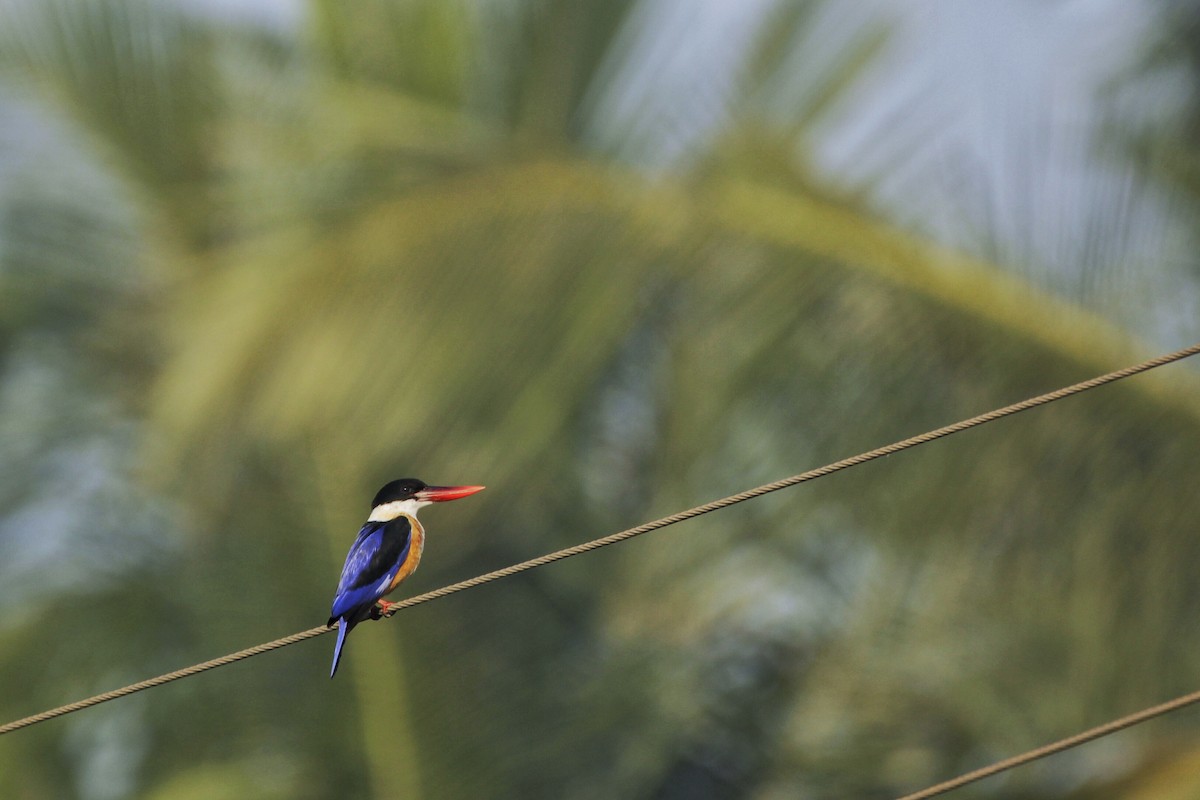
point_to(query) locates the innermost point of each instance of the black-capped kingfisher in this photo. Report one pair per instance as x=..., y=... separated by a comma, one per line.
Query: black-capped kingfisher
x=387, y=551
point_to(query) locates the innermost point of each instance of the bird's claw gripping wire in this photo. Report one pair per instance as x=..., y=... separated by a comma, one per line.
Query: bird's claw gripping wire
x=383, y=608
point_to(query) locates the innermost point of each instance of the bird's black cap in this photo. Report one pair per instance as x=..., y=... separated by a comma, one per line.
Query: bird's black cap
x=402, y=489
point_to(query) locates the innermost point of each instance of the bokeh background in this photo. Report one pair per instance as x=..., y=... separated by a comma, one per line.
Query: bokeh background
x=611, y=258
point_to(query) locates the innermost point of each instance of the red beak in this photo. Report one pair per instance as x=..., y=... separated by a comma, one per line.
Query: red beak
x=440, y=494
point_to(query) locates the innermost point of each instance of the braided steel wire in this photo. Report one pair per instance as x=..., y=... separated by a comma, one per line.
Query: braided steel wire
x=706, y=508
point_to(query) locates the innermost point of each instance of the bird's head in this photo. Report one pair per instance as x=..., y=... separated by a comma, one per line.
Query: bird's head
x=407, y=495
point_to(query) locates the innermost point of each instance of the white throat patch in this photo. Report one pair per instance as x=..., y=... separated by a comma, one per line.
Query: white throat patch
x=387, y=512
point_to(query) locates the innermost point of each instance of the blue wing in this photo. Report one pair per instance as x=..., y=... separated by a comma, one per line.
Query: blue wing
x=372, y=563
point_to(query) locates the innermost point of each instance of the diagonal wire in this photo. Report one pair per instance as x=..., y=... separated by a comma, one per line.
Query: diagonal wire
x=605, y=541
x=1056, y=747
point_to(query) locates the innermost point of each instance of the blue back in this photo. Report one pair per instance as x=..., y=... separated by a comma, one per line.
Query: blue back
x=371, y=565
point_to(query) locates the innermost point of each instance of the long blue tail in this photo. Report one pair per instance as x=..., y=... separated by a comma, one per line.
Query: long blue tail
x=344, y=626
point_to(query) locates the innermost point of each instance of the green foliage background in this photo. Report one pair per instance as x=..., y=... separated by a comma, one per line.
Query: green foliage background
x=247, y=277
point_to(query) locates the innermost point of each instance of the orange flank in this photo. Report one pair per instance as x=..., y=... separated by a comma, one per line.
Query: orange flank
x=413, y=558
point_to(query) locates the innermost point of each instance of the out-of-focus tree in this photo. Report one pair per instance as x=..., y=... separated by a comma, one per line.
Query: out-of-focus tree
x=429, y=237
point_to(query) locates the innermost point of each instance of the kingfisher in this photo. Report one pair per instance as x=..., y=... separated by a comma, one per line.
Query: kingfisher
x=387, y=551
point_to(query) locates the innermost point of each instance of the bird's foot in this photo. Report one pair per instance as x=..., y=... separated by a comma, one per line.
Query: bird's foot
x=383, y=608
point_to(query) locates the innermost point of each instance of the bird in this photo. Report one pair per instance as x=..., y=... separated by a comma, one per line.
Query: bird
x=387, y=550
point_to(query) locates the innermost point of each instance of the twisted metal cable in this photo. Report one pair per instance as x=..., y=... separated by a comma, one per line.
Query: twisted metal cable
x=605, y=541
x=161, y=679
x=1056, y=747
